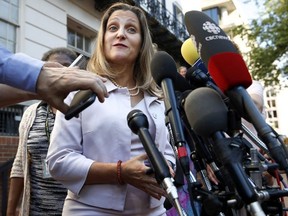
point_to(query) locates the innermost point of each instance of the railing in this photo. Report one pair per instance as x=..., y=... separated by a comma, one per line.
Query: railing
x=157, y=10
x=5, y=173
x=9, y=119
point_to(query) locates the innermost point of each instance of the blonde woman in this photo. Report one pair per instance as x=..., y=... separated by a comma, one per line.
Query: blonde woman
x=96, y=156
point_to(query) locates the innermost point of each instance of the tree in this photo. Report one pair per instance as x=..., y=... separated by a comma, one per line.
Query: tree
x=268, y=39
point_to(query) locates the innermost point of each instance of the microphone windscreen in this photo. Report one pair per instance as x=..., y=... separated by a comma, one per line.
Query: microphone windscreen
x=163, y=66
x=206, y=112
x=219, y=54
x=189, y=51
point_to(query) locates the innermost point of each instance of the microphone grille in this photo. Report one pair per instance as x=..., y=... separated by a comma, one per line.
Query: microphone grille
x=206, y=111
x=163, y=66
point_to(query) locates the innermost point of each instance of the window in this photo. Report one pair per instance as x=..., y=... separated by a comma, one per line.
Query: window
x=79, y=41
x=178, y=13
x=80, y=38
x=9, y=119
x=9, y=10
x=213, y=13
x=178, y=20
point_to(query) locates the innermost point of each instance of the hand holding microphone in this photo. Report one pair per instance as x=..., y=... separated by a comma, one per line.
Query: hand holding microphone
x=138, y=123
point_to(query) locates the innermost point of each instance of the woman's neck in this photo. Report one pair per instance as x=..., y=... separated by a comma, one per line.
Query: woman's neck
x=124, y=76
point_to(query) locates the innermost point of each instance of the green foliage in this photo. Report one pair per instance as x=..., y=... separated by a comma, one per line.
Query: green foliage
x=268, y=39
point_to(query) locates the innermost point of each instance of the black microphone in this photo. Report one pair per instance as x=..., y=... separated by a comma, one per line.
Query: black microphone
x=138, y=123
x=216, y=50
x=197, y=77
x=164, y=72
x=231, y=75
x=208, y=116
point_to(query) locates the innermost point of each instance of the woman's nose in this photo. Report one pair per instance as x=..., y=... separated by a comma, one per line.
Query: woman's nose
x=121, y=33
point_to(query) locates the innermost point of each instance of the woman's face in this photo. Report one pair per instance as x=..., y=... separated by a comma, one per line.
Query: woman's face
x=122, y=39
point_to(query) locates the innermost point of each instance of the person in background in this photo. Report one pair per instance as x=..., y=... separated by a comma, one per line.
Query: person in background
x=96, y=156
x=26, y=78
x=182, y=70
x=31, y=182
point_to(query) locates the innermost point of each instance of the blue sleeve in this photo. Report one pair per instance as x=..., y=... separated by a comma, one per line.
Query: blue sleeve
x=19, y=70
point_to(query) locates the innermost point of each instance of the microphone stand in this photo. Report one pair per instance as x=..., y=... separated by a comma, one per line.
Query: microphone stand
x=174, y=119
x=230, y=153
x=247, y=108
x=191, y=180
x=254, y=138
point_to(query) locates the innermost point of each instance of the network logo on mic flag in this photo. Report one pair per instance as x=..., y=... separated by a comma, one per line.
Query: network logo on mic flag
x=211, y=28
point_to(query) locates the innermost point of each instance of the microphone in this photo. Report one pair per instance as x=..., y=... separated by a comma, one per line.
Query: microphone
x=138, y=123
x=203, y=106
x=190, y=55
x=164, y=72
x=197, y=75
x=163, y=67
x=218, y=53
x=208, y=116
x=231, y=75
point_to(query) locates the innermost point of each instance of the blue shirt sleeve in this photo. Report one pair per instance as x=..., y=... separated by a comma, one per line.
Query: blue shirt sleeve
x=19, y=70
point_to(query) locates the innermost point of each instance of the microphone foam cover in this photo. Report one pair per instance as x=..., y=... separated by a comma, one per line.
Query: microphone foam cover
x=189, y=51
x=163, y=66
x=229, y=70
x=206, y=111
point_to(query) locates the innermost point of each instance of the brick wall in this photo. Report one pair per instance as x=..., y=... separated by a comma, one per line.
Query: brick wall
x=8, y=147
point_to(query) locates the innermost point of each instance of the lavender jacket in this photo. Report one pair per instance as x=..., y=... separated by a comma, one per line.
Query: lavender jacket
x=101, y=133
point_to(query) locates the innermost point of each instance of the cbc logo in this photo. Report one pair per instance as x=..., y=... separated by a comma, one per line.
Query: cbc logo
x=211, y=27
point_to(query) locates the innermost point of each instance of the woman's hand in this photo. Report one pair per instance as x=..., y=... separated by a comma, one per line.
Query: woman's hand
x=136, y=173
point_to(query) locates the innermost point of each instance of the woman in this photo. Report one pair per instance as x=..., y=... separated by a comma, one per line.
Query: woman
x=96, y=156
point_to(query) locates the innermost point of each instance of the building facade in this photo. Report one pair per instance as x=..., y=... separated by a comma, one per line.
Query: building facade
x=276, y=107
x=35, y=26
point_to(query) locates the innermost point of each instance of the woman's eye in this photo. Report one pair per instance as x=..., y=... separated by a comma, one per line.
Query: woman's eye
x=112, y=28
x=131, y=30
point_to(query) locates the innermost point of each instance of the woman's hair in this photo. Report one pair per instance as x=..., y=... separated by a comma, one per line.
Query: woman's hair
x=142, y=72
x=59, y=50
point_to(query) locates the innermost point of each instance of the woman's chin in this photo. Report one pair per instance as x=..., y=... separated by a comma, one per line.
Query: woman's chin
x=121, y=60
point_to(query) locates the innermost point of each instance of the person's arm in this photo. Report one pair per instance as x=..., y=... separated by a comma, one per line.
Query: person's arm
x=19, y=70
x=50, y=81
x=17, y=171
x=132, y=172
x=55, y=82
x=15, y=191
x=10, y=95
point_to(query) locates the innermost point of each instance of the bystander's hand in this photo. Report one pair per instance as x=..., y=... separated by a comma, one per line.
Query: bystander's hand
x=55, y=82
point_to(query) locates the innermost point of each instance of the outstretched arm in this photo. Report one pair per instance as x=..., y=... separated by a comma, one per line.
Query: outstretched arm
x=10, y=95
x=52, y=82
x=55, y=82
